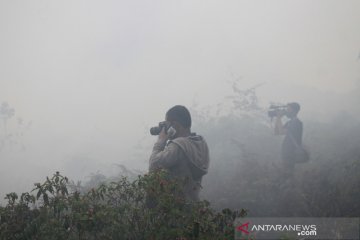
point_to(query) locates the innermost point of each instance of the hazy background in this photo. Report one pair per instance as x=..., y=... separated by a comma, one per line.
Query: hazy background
x=89, y=78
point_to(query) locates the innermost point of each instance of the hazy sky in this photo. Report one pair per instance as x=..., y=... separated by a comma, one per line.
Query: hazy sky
x=92, y=76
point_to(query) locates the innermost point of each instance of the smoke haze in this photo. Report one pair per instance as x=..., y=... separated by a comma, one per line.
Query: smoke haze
x=89, y=78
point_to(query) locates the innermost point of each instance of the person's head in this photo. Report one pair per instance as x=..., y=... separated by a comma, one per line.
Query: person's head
x=180, y=119
x=292, y=109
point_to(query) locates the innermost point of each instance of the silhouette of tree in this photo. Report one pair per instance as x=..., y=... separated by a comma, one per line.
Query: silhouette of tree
x=5, y=114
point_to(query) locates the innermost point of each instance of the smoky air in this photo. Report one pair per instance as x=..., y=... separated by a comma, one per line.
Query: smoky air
x=82, y=84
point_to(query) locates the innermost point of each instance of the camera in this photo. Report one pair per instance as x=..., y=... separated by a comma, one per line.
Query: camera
x=274, y=110
x=156, y=130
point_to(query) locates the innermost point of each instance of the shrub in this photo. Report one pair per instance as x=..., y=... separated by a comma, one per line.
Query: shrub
x=146, y=208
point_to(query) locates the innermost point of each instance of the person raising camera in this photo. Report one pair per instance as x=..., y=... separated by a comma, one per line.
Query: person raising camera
x=293, y=130
x=183, y=154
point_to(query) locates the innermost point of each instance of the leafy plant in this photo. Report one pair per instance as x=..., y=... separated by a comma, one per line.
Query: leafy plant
x=149, y=207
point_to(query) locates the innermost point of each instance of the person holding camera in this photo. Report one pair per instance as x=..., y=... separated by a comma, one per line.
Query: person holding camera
x=293, y=130
x=183, y=154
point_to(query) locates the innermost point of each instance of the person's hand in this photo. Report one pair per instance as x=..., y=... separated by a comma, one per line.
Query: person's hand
x=279, y=114
x=163, y=137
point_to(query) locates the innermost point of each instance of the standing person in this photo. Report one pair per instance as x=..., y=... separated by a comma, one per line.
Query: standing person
x=293, y=130
x=183, y=154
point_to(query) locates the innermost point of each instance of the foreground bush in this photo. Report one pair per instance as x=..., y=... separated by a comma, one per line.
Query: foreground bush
x=147, y=208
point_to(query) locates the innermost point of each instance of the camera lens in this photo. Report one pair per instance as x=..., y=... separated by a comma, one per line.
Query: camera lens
x=155, y=130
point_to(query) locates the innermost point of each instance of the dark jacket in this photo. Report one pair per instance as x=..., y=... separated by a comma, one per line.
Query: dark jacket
x=294, y=131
